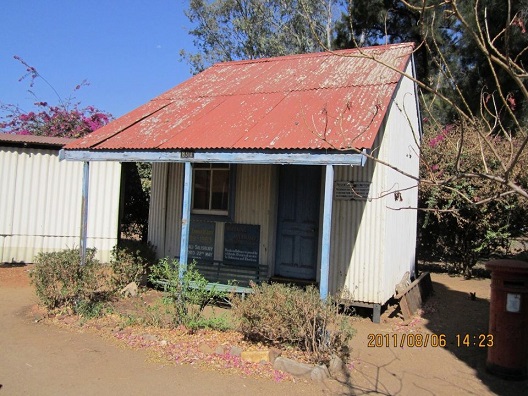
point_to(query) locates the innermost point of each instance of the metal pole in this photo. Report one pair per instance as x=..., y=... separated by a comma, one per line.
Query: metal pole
x=327, y=230
x=186, y=218
x=84, y=211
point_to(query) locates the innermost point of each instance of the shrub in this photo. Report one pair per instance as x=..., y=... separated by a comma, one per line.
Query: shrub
x=461, y=223
x=130, y=262
x=280, y=313
x=187, y=290
x=61, y=282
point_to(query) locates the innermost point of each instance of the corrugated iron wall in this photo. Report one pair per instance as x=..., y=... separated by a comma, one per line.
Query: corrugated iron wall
x=374, y=241
x=158, y=207
x=166, y=208
x=254, y=203
x=174, y=210
x=40, y=204
x=357, y=240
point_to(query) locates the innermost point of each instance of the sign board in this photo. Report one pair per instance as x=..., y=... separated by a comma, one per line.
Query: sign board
x=349, y=191
x=202, y=240
x=241, y=244
x=513, y=302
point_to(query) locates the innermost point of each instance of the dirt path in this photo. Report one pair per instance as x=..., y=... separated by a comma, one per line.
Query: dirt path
x=41, y=359
x=411, y=370
x=38, y=359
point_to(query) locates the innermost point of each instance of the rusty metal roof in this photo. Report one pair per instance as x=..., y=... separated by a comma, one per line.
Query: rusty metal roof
x=31, y=140
x=300, y=102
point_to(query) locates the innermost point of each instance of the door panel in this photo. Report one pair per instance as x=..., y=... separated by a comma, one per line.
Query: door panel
x=298, y=221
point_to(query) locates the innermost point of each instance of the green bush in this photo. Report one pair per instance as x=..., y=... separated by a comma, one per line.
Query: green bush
x=130, y=262
x=186, y=289
x=467, y=219
x=280, y=313
x=61, y=282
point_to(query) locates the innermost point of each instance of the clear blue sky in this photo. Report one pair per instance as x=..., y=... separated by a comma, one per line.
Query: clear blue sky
x=127, y=50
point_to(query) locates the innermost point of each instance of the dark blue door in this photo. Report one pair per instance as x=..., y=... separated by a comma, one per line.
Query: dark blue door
x=298, y=221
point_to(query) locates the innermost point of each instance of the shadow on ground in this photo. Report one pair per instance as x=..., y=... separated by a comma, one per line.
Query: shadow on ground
x=456, y=314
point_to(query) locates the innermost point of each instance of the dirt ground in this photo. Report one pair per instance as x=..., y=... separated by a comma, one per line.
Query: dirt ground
x=40, y=357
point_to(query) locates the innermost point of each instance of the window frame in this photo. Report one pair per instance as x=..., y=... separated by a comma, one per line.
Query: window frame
x=215, y=214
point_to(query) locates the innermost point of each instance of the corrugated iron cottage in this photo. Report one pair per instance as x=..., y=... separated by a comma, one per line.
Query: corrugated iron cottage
x=281, y=163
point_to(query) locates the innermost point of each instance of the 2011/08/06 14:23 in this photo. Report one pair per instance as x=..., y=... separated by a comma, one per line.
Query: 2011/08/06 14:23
x=377, y=340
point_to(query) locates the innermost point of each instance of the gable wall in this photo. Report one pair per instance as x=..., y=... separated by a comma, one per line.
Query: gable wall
x=374, y=243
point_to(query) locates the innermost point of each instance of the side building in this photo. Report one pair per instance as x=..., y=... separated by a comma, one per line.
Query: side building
x=41, y=198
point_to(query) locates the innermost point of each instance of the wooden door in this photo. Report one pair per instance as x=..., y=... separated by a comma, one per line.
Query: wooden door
x=298, y=221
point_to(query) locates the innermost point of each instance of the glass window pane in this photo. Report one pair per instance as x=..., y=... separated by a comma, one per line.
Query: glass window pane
x=220, y=197
x=201, y=189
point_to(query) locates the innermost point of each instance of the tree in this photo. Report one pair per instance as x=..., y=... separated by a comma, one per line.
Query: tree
x=227, y=30
x=65, y=119
x=458, y=224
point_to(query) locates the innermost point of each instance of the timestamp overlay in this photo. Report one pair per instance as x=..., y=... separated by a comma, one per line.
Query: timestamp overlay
x=422, y=340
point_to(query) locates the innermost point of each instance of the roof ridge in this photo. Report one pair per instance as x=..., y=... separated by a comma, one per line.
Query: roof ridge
x=313, y=54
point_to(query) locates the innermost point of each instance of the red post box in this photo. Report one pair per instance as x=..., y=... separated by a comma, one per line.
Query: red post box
x=508, y=356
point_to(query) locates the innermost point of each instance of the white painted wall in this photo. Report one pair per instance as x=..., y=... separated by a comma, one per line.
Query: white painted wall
x=374, y=241
x=40, y=204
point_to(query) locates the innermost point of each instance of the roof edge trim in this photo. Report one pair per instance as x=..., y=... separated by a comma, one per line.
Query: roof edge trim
x=298, y=158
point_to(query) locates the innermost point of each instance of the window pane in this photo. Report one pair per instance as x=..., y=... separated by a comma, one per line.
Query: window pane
x=201, y=189
x=220, y=197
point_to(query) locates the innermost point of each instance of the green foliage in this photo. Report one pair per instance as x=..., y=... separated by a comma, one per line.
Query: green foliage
x=186, y=289
x=90, y=309
x=372, y=22
x=130, y=262
x=461, y=224
x=61, y=282
x=280, y=313
x=134, y=219
x=226, y=30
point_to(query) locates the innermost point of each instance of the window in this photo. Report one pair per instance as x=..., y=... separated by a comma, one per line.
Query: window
x=211, y=190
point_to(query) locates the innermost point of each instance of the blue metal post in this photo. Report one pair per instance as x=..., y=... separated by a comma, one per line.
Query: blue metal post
x=84, y=211
x=186, y=218
x=327, y=229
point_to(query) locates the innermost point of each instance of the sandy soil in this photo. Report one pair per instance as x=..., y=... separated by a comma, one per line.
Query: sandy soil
x=44, y=359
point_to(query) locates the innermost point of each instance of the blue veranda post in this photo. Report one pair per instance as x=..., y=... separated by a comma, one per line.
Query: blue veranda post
x=186, y=218
x=84, y=211
x=327, y=230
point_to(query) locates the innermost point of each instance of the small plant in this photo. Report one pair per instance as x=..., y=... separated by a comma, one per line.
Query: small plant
x=187, y=290
x=130, y=261
x=90, y=309
x=61, y=282
x=280, y=313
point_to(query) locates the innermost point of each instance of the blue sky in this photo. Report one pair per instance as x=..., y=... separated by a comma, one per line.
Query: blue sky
x=128, y=51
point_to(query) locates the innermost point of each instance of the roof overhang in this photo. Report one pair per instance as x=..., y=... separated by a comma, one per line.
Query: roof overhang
x=235, y=157
x=32, y=141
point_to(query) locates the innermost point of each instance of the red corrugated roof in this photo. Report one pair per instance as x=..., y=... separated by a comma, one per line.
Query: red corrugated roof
x=30, y=140
x=310, y=101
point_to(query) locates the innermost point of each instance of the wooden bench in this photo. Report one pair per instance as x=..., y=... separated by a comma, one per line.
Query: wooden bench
x=229, y=277
x=232, y=278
